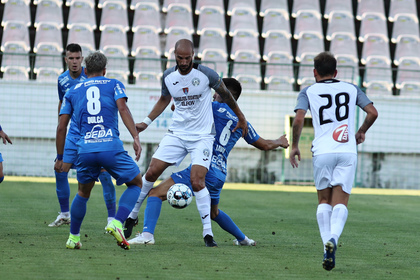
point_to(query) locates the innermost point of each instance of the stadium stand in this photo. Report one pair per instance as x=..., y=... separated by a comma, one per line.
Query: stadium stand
x=211, y=18
x=16, y=10
x=305, y=6
x=179, y=16
x=81, y=11
x=339, y=6
x=49, y=11
x=147, y=15
x=273, y=5
x=114, y=13
x=276, y=20
x=214, y=4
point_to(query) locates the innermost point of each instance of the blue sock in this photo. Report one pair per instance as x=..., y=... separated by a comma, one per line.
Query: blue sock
x=226, y=223
x=151, y=214
x=109, y=193
x=1, y=179
x=78, y=212
x=127, y=202
x=62, y=188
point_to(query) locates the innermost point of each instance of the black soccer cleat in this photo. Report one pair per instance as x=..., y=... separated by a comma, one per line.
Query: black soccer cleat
x=208, y=239
x=129, y=225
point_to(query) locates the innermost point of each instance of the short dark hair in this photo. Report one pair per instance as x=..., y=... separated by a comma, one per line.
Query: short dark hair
x=234, y=86
x=95, y=62
x=325, y=64
x=73, y=48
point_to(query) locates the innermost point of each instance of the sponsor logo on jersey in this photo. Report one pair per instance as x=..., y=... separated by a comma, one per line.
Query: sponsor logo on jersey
x=195, y=82
x=221, y=110
x=175, y=83
x=185, y=90
x=97, y=132
x=341, y=134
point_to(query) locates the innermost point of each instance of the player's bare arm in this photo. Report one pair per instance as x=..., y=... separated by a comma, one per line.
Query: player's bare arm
x=267, y=144
x=296, y=130
x=128, y=121
x=231, y=102
x=159, y=107
x=372, y=115
x=60, y=140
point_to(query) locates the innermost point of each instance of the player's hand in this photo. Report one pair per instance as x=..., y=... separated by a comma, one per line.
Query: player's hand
x=360, y=138
x=242, y=124
x=58, y=165
x=137, y=148
x=293, y=153
x=141, y=127
x=284, y=143
x=5, y=138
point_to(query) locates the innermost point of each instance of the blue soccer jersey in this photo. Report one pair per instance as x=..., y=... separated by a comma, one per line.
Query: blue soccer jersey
x=225, y=120
x=65, y=82
x=93, y=106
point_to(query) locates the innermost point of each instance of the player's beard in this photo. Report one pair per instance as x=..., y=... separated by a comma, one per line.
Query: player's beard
x=184, y=69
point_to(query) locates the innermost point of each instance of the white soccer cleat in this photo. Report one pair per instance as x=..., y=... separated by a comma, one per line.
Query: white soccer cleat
x=246, y=242
x=140, y=239
x=61, y=220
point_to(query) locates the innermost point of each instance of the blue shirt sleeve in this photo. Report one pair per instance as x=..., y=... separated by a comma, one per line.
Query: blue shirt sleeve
x=66, y=107
x=252, y=135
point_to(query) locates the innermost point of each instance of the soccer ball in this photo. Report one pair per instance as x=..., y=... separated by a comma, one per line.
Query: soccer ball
x=179, y=196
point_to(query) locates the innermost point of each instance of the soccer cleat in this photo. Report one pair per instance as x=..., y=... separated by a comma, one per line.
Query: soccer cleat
x=61, y=220
x=115, y=229
x=141, y=239
x=246, y=242
x=208, y=239
x=129, y=225
x=329, y=255
x=73, y=242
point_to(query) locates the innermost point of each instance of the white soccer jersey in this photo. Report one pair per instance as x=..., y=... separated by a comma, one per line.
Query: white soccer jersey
x=192, y=95
x=333, y=105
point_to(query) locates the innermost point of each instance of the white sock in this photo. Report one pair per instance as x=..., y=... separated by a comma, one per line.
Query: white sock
x=202, y=199
x=323, y=217
x=145, y=189
x=338, y=220
x=147, y=235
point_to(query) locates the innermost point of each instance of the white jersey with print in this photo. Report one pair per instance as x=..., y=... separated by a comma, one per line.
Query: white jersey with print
x=192, y=95
x=333, y=105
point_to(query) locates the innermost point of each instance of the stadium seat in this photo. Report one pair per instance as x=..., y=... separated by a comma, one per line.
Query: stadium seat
x=276, y=20
x=212, y=40
x=114, y=37
x=338, y=6
x=179, y=16
x=279, y=66
x=347, y=68
x=49, y=11
x=378, y=70
x=147, y=60
x=155, y=3
x=146, y=15
x=375, y=46
x=48, y=56
x=15, y=73
x=249, y=81
x=16, y=55
x=167, y=3
x=215, y=60
x=340, y=22
x=250, y=4
x=171, y=59
x=148, y=80
x=305, y=6
x=83, y=35
x=309, y=43
x=47, y=74
x=408, y=72
x=246, y=63
x=173, y=36
x=17, y=10
x=117, y=59
x=306, y=82
x=145, y=37
x=344, y=44
x=244, y=41
x=378, y=88
x=211, y=18
x=306, y=68
x=16, y=32
x=48, y=34
x=273, y=5
x=278, y=84
x=407, y=47
x=114, y=13
x=101, y=3
x=70, y=2
x=243, y=19
x=277, y=42
x=214, y=4
x=82, y=11
x=372, y=24
x=121, y=76
x=405, y=25
x=402, y=7
x=371, y=6
x=307, y=21
x=410, y=89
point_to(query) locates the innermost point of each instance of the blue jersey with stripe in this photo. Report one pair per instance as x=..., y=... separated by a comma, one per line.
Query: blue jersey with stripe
x=93, y=106
x=225, y=121
x=65, y=82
